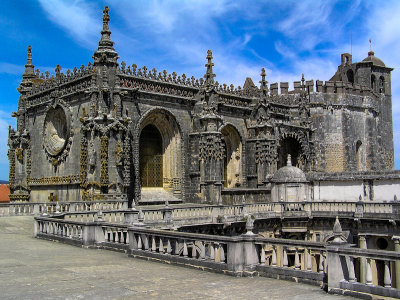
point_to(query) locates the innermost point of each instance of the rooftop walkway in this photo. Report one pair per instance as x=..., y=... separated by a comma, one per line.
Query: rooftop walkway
x=37, y=269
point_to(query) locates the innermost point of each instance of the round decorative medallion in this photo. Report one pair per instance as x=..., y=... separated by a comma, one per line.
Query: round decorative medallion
x=56, y=130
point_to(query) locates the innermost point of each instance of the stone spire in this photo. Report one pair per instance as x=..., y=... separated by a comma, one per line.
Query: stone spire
x=209, y=76
x=29, y=72
x=105, y=52
x=264, y=82
x=29, y=67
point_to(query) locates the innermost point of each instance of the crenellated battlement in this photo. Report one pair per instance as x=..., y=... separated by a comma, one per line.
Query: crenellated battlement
x=327, y=87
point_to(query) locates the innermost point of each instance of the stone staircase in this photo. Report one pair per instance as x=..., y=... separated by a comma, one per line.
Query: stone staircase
x=157, y=195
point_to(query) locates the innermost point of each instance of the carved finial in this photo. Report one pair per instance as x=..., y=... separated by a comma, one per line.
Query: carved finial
x=264, y=83
x=337, y=232
x=29, y=68
x=58, y=70
x=289, y=160
x=106, y=18
x=29, y=55
x=209, y=76
x=337, y=228
x=105, y=51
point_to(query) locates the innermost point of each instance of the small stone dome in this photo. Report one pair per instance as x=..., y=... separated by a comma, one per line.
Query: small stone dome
x=289, y=174
x=375, y=61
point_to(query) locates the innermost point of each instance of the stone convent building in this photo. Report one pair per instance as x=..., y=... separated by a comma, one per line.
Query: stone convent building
x=114, y=130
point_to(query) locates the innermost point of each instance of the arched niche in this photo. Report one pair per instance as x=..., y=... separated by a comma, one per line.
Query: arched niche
x=359, y=156
x=381, y=84
x=373, y=82
x=290, y=145
x=350, y=76
x=160, y=134
x=233, y=157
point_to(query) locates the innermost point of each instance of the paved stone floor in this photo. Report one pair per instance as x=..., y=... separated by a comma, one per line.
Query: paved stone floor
x=36, y=269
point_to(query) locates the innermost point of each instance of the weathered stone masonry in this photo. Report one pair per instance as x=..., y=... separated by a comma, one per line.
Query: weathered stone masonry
x=79, y=133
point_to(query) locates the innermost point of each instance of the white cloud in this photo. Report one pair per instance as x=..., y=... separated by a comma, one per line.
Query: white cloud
x=76, y=18
x=11, y=68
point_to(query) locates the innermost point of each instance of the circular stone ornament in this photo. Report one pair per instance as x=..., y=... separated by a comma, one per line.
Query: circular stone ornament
x=57, y=137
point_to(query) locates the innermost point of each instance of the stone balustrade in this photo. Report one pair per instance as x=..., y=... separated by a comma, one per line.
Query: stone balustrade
x=375, y=267
x=27, y=209
x=336, y=264
x=282, y=258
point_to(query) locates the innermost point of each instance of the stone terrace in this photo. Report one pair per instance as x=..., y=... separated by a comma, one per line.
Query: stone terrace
x=37, y=269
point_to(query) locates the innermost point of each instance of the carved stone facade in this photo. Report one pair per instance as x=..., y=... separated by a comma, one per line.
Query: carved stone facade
x=80, y=134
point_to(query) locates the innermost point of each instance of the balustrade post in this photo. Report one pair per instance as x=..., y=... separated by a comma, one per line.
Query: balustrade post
x=203, y=251
x=153, y=243
x=161, y=246
x=36, y=228
x=139, y=242
x=222, y=253
x=185, y=250
x=363, y=262
x=321, y=263
x=176, y=247
x=297, y=260
x=133, y=241
x=352, y=274
x=369, y=272
x=212, y=252
x=262, y=260
x=169, y=248
x=285, y=258
x=308, y=258
x=194, y=250
x=387, y=281
x=273, y=256
x=145, y=241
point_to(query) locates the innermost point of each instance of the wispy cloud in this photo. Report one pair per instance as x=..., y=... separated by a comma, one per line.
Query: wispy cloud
x=76, y=18
x=11, y=68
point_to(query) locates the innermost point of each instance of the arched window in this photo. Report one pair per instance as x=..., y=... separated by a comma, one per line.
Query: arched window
x=381, y=85
x=350, y=76
x=373, y=82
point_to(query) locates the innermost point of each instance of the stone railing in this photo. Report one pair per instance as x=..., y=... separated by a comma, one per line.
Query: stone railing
x=28, y=209
x=375, y=269
x=291, y=259
x=332, y=264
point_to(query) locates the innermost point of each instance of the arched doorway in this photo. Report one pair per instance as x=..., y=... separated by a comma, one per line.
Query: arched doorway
x=151, y=159
x=233, y=155
x=160, y=152
x=289, y=145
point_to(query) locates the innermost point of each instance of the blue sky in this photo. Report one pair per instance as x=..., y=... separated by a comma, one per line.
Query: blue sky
x=286, y=37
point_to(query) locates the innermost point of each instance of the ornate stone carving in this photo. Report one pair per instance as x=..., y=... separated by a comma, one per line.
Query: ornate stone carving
x=104, y=160
x=19, y=153
x=211, y=147
x=11, y=176
x=57, y=133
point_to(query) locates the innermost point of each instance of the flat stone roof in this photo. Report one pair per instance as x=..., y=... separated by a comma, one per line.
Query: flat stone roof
x=37, y=269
